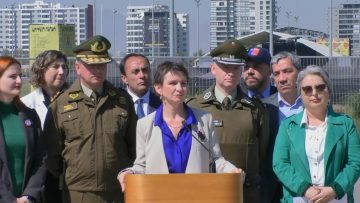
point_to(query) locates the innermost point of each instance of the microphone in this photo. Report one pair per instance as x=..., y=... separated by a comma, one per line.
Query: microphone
x=212, y=165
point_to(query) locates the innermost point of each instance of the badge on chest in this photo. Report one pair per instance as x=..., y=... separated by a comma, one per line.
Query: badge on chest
x=218, y=123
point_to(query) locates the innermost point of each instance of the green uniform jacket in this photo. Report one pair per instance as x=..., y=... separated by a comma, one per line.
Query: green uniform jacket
x=341, y=156
x=243, y=135
x=94, y=142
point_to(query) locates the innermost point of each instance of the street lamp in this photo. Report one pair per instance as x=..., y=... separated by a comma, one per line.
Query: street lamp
x=114, y=12
x=152, y=32
x=197, y=27
x=330, y=33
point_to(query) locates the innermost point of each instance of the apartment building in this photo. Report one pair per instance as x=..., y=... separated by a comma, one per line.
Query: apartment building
x=16, y=18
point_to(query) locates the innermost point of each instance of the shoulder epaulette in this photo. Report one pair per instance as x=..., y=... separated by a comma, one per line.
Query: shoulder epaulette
x=74, y=95
x=189, y=99
x=247, y=101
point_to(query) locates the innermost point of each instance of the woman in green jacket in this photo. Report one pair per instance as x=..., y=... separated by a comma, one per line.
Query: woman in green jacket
x=317, y=152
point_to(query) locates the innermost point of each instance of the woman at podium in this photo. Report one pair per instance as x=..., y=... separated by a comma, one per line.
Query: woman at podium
x=176, y=138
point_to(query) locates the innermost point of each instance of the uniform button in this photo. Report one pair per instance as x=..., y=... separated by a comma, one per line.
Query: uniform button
x=315, y=164
x=314, y=176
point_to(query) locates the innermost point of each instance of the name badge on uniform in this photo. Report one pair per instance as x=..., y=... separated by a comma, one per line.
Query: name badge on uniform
x=70, y=107
x=218, y=123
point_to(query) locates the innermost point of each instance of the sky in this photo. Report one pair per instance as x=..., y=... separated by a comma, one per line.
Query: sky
x=311, y=14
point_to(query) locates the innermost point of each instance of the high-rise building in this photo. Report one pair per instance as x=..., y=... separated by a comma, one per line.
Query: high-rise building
x=148, y=31
x=346, y=24
x=15, y=21
x=236, y=18
x=182, y=34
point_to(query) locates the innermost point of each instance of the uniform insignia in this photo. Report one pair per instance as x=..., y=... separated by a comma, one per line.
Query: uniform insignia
x=246, y=100
x=218, y=123
x=74, y=95
x=111, y=93
x=207, y=95
x=70, y=107
x=28, y=123
x=97, y=47
x=122, y=100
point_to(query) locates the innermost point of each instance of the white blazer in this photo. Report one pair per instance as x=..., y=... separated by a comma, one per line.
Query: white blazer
x=35, y=100
x=150, y=155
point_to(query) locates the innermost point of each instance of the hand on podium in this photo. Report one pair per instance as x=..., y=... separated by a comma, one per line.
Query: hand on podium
x=121, y=178
x=239, y=170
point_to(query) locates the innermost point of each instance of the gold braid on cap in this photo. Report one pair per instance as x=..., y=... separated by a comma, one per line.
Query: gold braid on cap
x=96, y=47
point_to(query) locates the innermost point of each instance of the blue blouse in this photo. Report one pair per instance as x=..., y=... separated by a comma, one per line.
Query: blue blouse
x=177, y=151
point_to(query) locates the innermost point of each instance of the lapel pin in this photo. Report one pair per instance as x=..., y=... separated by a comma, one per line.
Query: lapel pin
x=28, y=123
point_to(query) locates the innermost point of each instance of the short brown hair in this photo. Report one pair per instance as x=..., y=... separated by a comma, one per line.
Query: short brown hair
x=166, y=67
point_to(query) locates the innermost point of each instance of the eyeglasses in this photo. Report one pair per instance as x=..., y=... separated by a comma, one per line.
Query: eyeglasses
x=308, y=90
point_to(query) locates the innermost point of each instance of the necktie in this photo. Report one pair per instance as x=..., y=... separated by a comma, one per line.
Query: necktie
x=94, y=97
x=139, y=109
x=226, y=103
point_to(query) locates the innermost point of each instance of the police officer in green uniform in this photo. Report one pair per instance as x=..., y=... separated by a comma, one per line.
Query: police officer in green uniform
x=240, y=122
x=90, y=130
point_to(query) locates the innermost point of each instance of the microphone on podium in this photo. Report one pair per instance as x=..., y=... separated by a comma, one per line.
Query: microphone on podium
x=200, y=138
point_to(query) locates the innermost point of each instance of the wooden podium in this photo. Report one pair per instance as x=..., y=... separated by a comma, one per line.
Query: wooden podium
x=170, y=188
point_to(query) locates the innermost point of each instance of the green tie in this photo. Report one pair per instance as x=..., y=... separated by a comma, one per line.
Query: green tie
x=94, y=97
x=226, y=103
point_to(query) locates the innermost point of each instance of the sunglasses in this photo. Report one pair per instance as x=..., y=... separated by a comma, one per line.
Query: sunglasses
x=308, y=90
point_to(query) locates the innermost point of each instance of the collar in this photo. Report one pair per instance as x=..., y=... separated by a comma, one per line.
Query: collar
x=264, y=93
x=282, y=102
x=304, y=120
x=145, y=97
x=159, y=120
x=87, y=91
x=220, y=96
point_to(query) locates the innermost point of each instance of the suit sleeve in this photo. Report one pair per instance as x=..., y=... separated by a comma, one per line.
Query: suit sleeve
x=38, y=169
x=346, y=179
x=54, y=143
x=131, y=132
x=140, y=162
x=283, y=167
x=5, y=194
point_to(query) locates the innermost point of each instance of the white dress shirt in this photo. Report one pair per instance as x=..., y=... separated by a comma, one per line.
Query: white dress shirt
x=145, y=103
x=315, y=137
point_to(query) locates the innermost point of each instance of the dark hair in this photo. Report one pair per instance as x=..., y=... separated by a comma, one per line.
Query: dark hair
x=123, y=61
x=166, y=67
x=41, y=64
x=5, y=63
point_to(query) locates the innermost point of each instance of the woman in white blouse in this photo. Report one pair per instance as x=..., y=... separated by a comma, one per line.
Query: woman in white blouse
x=317, y=152
x=48, y=75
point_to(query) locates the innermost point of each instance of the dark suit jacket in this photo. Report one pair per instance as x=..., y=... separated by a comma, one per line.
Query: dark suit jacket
x=272, y=105
x=154, y=101
x=35, y=170
x=273, y=89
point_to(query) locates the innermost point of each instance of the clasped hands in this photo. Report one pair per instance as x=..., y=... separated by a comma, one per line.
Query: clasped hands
x=318, y=194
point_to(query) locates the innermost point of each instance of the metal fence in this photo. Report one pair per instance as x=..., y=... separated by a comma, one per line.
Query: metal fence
x=343, y=71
